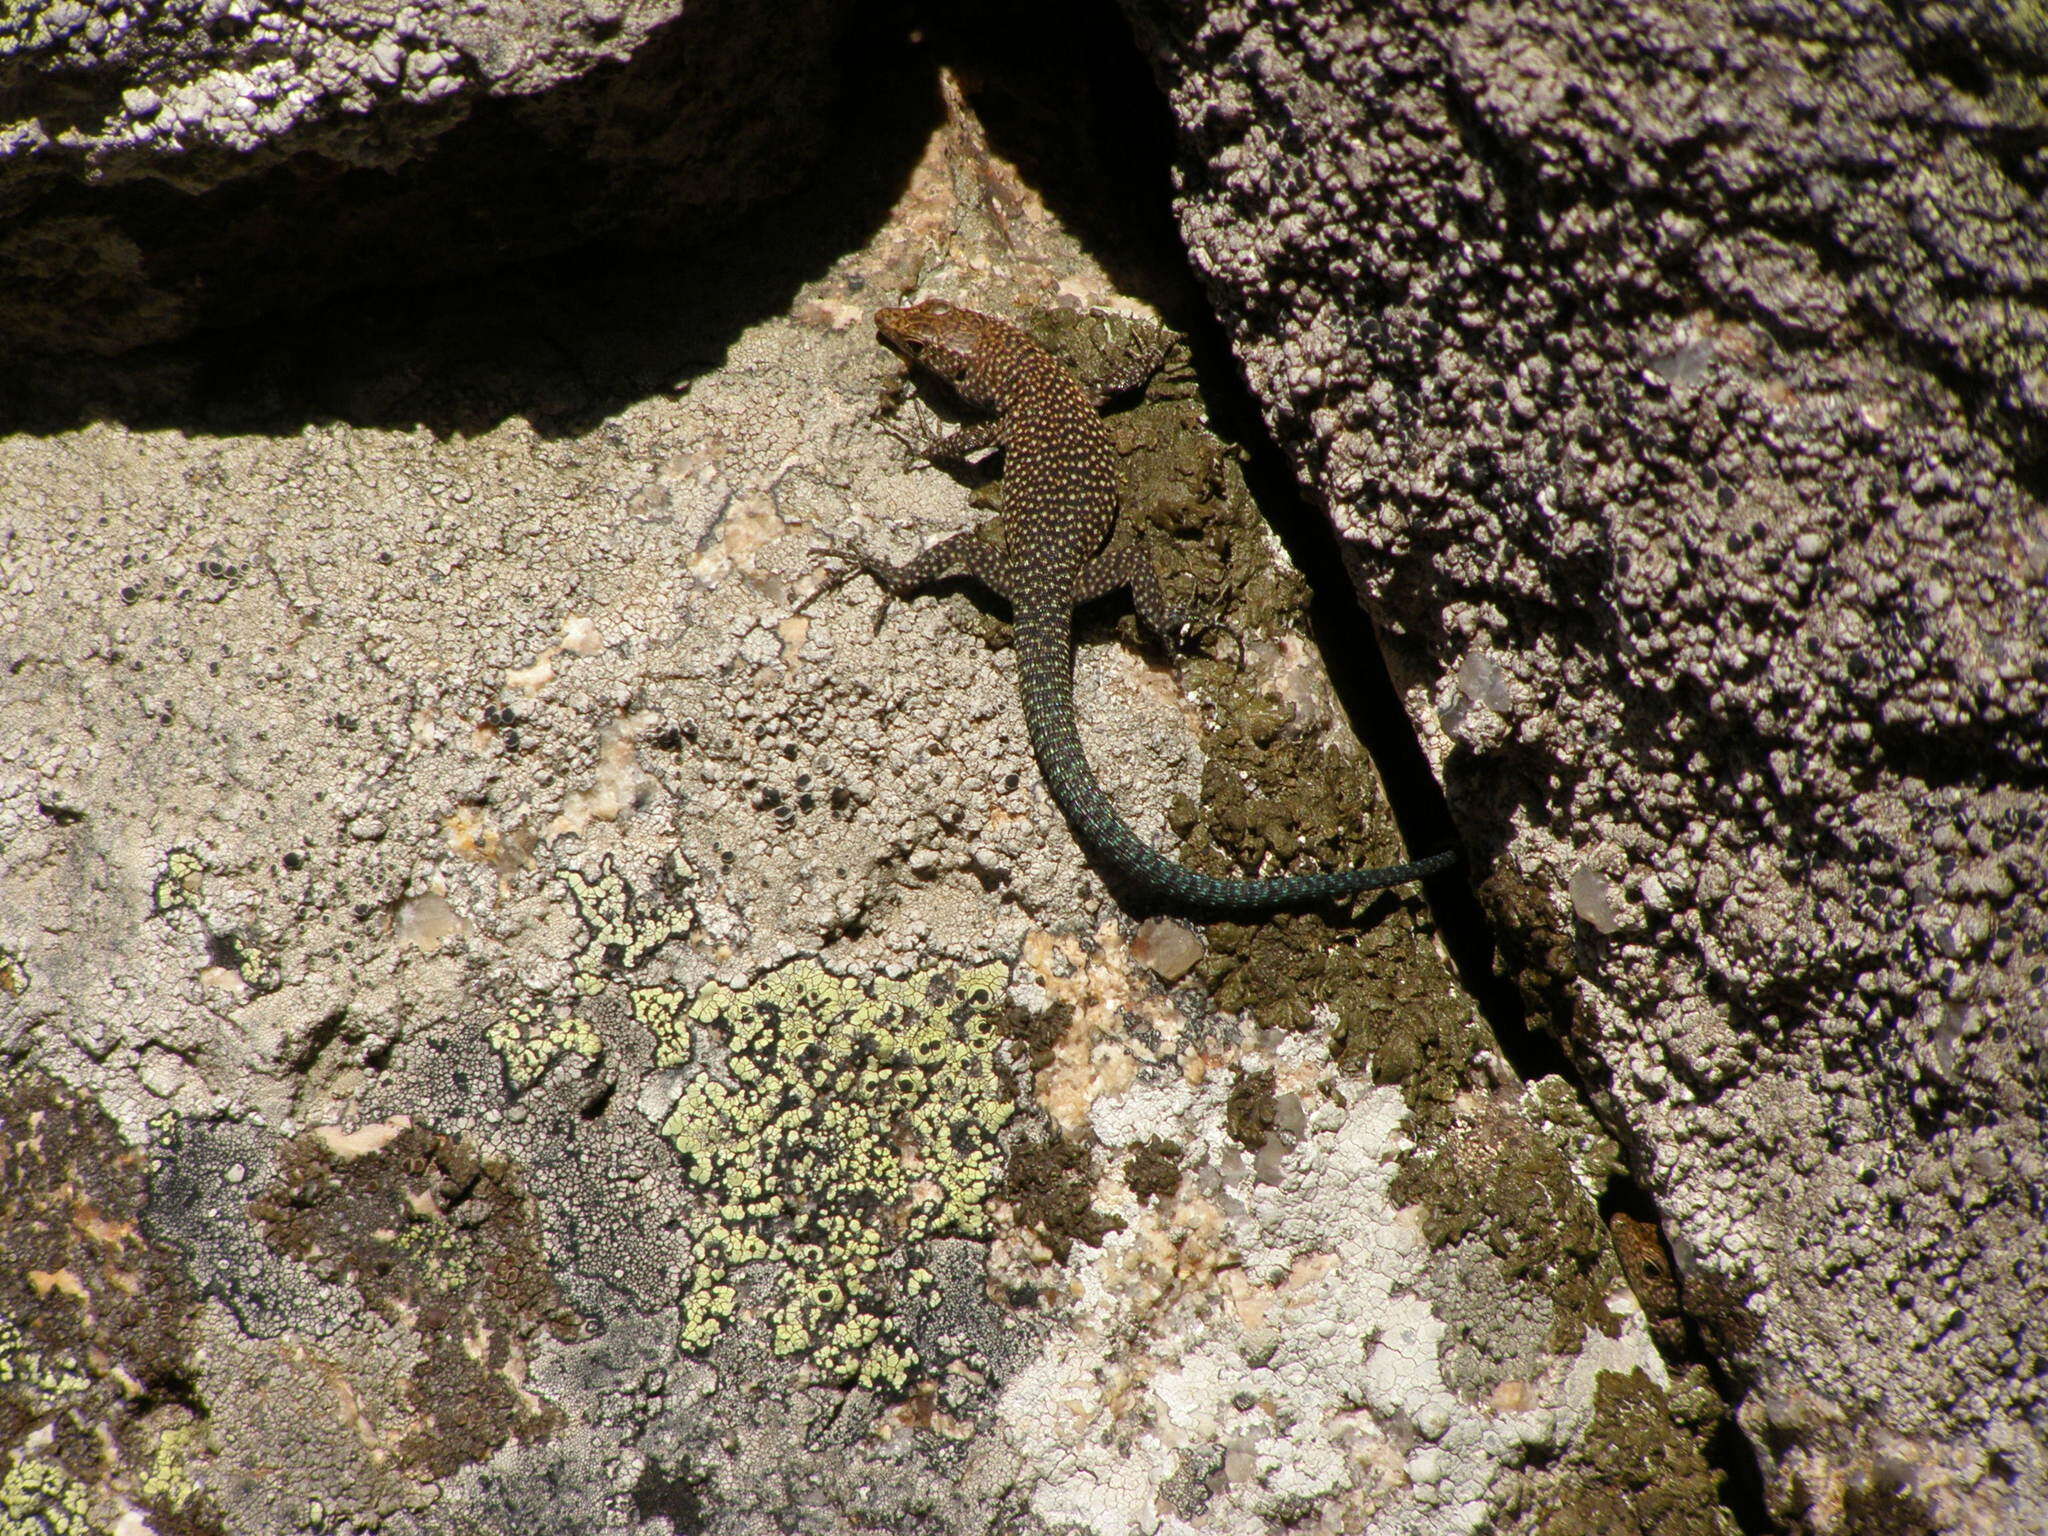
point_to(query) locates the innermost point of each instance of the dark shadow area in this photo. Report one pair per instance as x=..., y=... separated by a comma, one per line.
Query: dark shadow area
x=563, y=340
x=1066, y=96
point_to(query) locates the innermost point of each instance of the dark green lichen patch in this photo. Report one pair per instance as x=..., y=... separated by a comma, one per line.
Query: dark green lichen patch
x=434, y=1236
x=1050, y=1188
x=1153, y=1169
x=855, y=1122
x=1039, y=1034
x=1637, y=1470
x=96, y=1325
x=1496, y=1180
x=1248, y=1114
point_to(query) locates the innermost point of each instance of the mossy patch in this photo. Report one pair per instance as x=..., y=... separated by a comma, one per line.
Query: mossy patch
x=96, y=1321
x=435, y=1236
x=1637, y=1471
x=1499, y=1181
x=1050, y=1186
x=854, y=1122
x=1248, y=1114
x=1152, y=1171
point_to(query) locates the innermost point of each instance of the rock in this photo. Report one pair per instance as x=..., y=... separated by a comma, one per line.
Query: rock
x=172, y=175
x=1676, y=400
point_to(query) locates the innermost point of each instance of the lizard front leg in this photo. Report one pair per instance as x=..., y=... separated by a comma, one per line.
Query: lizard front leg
x=951, y=450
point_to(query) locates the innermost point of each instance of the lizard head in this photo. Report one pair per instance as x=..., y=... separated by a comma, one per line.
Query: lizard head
x=938, y=337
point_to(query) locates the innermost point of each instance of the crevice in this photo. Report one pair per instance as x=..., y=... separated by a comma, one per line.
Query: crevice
x=1123, y=102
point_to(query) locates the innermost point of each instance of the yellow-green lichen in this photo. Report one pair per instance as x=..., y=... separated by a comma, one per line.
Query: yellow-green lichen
x=622, y=932
x=179, y=887
x=856, y=1120
x=441, y=1253
x=13, y=974
x=662, y=1010
x=179, y=884
x=168, y=1484
x=253, y=962
x=529, y=1040
x=23, y=1365
x=37, y=1499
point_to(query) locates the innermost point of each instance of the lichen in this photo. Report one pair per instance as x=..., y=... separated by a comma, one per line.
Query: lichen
x=530, y=1039
x=1496, y=1179
x=96, y=1318
x=180, y=883
x=179, y=887
x=1637, y=1472
x=37, y=1499
x=1594, y=1156
x=664, y=1011
x=22, y=1365
x=169, y=1483
x=855, y=1121
x=433, y=1234
x=13, y=973
x=623, y=929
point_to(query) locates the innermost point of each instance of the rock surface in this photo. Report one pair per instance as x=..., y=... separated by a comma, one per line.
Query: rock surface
x=164, y=167
x=1678, y=379
x=520, y=1012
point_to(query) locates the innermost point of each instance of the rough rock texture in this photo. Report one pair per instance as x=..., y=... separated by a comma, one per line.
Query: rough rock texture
x=167, y=166
x=521, y=1012
x=1679, y=378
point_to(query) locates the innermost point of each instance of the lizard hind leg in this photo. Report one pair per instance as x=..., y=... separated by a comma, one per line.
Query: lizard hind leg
x=1124, y=563
x=976, y=553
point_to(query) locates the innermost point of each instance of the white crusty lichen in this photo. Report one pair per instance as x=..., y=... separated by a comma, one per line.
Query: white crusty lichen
x=1260, y=1348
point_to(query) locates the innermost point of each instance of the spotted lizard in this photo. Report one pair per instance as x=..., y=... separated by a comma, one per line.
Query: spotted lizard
x=1057, y=543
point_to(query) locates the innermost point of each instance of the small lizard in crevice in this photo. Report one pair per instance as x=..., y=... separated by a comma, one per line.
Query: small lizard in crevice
x=1057, y=543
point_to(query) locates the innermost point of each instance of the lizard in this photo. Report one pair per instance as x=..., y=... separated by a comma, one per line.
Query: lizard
x=1057, y=543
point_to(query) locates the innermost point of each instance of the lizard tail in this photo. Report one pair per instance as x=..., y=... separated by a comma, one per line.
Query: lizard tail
x=1045, y=662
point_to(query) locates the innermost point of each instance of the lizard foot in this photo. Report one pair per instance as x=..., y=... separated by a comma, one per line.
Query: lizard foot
x=1193, y=631
x=852, y=561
